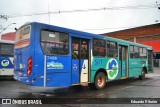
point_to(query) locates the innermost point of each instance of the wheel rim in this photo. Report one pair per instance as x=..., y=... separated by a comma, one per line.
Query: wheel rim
x=101, y=81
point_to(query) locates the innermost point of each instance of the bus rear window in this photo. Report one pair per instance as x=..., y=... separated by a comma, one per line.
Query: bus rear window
x=22, y=37
x=54, y=43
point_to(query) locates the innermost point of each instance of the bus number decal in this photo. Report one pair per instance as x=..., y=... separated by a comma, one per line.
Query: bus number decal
x=51, y=57
x=98, y=62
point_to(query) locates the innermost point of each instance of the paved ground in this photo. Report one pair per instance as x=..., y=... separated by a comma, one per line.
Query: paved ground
x=126, y=88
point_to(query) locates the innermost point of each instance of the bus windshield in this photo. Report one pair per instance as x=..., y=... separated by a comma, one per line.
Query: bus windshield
x=22, y=37
x=6, y=49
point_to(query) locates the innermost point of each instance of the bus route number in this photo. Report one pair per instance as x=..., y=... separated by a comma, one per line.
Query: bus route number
x=52, y=57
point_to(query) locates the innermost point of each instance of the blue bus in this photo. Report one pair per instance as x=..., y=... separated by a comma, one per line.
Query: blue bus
x=6, y=58
x=52, y=56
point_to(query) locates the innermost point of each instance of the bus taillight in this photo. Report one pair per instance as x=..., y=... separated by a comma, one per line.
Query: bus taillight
x=29, y=68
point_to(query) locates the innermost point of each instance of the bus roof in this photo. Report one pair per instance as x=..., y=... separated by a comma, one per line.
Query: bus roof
x=89, y=34
x=7, y=41
x=128, y=42
x=67, y=30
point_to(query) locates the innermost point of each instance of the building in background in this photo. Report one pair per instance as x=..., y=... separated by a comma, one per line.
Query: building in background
x=148, y=35
x=8, y=36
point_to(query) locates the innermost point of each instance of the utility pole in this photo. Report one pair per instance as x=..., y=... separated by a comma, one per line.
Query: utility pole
x=49, y=11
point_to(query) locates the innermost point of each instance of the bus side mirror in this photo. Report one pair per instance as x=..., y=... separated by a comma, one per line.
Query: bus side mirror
x=15, y=29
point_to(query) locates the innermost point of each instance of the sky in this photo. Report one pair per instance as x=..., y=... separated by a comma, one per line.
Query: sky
x=98, y=16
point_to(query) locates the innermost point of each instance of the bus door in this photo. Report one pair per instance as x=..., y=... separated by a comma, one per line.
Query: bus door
x=80, y=60
x=123, y=60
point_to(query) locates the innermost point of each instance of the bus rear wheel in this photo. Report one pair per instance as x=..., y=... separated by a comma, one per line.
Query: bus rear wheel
x=142, y=76
x=99, y=82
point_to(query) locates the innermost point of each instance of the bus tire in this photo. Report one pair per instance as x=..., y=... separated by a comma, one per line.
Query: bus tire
x=142, y=76
x=99, y=81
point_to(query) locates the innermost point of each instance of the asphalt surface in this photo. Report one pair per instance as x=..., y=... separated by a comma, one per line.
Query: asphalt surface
x=126, y=88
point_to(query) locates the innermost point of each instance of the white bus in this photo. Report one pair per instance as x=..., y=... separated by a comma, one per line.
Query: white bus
x=6, y=58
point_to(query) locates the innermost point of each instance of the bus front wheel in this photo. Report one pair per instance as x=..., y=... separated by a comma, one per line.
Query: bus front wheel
x=99, y=82
x=142, y=76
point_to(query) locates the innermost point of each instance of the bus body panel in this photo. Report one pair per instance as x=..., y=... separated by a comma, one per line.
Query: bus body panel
x=110, y=64
x=75, y=71
x=38, y=59
x=21, y=61
x=84, y=71
x=135, y=67
x=6, y=66
x=58, y=71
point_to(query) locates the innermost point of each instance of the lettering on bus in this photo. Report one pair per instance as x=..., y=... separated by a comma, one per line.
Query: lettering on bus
x=134, y=63
x=52, y=57
x=98, y=62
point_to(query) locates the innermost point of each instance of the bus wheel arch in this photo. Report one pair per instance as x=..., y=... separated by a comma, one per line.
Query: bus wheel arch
x=101, y=70
x=99, y=80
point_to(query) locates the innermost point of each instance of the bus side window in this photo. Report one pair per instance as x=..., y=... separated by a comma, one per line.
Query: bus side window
x=99, y=47
x=131, y=52
x=84, y=50
x=143, y=53
x=134, y=52
x=75, y=49
x=54, y=43
x=112, y=50
x=45, y=48
x=75, y=54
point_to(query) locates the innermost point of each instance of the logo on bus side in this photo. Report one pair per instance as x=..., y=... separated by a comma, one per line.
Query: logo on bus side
x=54, y=65
x=112, y=68
x=5, y=63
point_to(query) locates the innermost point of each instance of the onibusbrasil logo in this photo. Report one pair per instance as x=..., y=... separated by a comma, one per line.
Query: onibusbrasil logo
x=112, y=68
x=5, y=63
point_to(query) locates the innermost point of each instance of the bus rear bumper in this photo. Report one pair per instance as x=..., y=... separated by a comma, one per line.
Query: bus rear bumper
x=24, y=80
